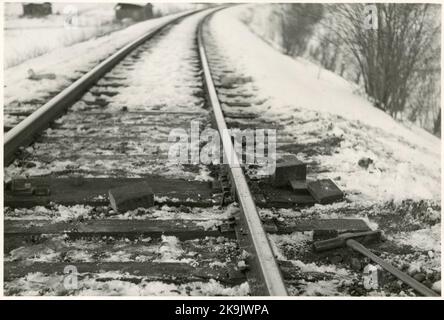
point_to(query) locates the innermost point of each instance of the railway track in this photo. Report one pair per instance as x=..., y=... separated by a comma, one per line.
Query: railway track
x=213, y=229
x=110, y=128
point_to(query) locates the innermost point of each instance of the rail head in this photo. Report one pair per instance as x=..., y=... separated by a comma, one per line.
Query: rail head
x=269, y=273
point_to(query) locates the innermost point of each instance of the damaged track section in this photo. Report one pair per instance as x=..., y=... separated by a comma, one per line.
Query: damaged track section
x=176, y=249
x=117, y=131
x=180, y=249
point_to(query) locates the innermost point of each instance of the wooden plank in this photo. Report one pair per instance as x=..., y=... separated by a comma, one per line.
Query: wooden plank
x=293, y=274
x=325, y=191
x=71, y=122
x=322, y=225
x=280, y=197
x=94, y=191
x=18, y=113
x=239, y=115
x=18, y=233
x=183, y=229
x=131, y=197
x=156, y=113
x=97, y=138
x=151, y=271
x=87, y=155
x=237, y=104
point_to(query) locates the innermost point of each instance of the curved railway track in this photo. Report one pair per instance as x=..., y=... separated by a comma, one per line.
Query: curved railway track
x=208, y=232
x=98, y=139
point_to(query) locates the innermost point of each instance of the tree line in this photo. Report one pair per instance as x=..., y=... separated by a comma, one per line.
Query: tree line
x=391, y=50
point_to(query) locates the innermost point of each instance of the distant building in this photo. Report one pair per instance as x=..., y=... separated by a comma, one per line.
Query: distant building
x=37, y=9
x=135, y=12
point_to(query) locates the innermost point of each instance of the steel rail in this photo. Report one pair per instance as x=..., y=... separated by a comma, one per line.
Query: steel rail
x=413, y=283
x=24, y=133
x=266, y=265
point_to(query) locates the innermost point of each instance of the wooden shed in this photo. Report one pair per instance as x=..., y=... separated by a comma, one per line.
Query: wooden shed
x=136, y=12
x=37, y=9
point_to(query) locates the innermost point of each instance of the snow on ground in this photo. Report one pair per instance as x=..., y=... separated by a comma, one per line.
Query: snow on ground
x=110, y=284
x=288, y=247
x=58, y=213
x=61, y=213
x=70, y=23
x=218, y=253
x=68, y=63
x=423, y=239
x=390, y=172
x=60, y=248
x=215, y=253
x=406, y=161
x=169, y=249
x=406, y=164
x=167, y=71
x=184, y=213
x=29, y=37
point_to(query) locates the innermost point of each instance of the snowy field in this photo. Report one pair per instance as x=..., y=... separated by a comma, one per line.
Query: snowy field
x=406, y=160
x=67, y=64
x=27, y=38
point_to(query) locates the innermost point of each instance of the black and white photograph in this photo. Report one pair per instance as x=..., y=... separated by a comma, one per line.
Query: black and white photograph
x=221, y=149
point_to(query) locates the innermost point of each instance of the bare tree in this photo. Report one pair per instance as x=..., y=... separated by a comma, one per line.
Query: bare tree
x=397, y=63
x=388, y=55
x=437, y=125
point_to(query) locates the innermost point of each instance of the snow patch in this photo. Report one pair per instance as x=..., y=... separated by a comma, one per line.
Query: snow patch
x=423, y=239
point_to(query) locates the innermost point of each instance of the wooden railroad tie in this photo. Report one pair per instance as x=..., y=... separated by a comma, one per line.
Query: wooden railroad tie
x=41, y=191
x=131, y=197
